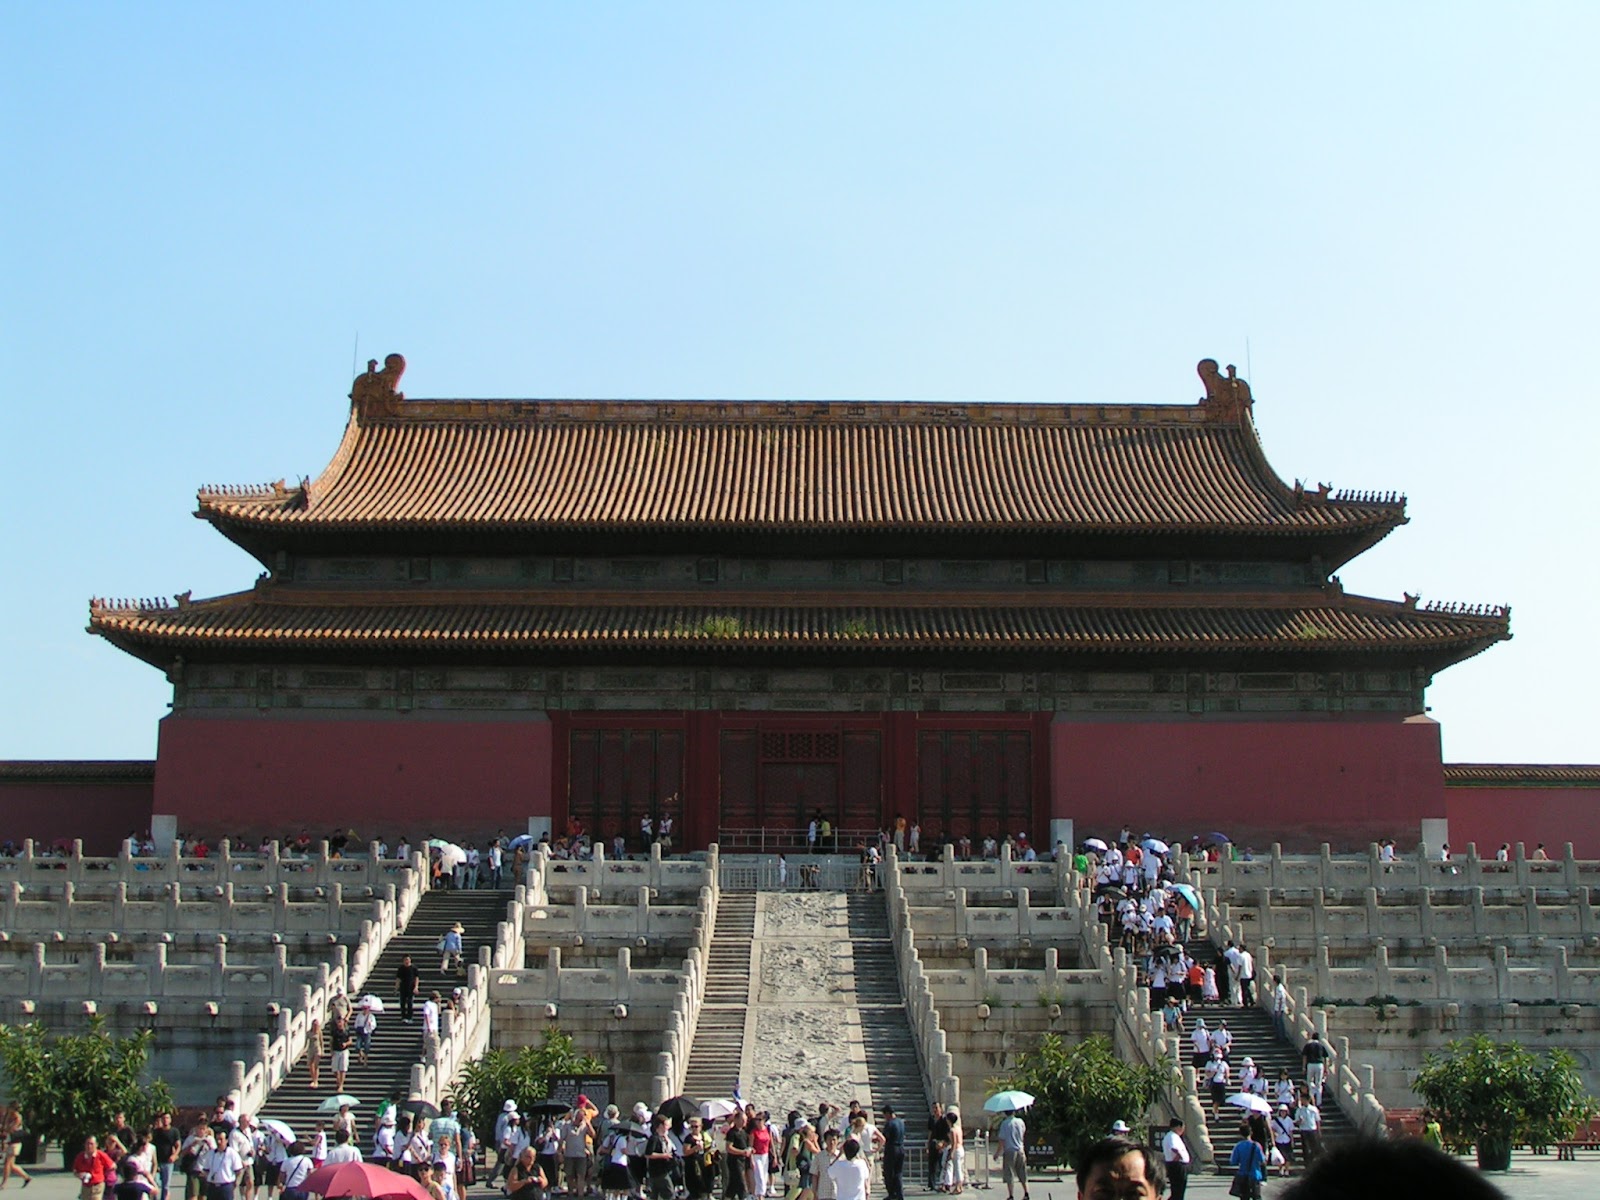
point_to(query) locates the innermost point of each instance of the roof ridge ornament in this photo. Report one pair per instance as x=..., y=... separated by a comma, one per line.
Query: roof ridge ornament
x=376, y=392
x=1227, y=396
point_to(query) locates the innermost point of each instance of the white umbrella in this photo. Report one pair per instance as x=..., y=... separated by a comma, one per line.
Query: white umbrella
x=1250, y=1103
x=1156, y=845
x=711, y=1110
x=369, y=1001
x=278, y=1128
x=1096, y=844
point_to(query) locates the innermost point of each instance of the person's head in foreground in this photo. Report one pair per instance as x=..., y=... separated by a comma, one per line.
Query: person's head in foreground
x=1403, y=1167
x=1116, y=1168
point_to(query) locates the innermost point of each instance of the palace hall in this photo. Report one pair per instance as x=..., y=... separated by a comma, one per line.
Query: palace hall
x=985, y=618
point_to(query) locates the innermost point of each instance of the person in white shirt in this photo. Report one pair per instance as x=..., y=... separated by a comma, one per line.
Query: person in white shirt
x=1248, y=1074
x=1280, y=1008
x=383, y=1147
x=1246, y=965
x=849, y=1174
x=1283, y=1136
x=343, y=1149
x=296, y=1168
x=1308, y=1120
x=1222, y=1038
x=1201, y=1040
x=1175, y=1153
x=1217, y=1079
x=223, y=1167
x=430, y=1028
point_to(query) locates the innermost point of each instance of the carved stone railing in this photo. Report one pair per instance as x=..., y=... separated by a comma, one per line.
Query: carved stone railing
x=221, y=866
x=463, y=1035
x=1422, y=868
x=621, y=982
x=276, y=1053
x=223, y=909
x=603, y=876
x=987, y=874
x=954, y=917
x=940, y=1082
x=1469, y=913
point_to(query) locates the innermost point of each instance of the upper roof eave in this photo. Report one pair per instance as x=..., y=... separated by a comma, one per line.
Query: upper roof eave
x=525, y=467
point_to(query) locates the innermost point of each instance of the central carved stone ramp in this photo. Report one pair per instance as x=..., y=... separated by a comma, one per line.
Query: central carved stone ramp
x=395, y=1046
x=827, y=1020
x=717, y=1053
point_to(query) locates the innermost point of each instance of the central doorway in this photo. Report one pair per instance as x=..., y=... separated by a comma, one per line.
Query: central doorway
x=776, y=777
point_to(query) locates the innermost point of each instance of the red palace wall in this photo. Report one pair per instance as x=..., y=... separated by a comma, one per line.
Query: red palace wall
x=1301, y=783
x=101, y=813
x=416, y=775
x=1555, y=816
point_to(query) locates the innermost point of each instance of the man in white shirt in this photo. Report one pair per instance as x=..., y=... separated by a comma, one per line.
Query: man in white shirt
x=1246, y=964
x=849, y=1174
x=1231, y=954
x=343, y=1151
x=1280, y=1008
x=1308, y=1120
x=223, y=1167
x=1175, y=1153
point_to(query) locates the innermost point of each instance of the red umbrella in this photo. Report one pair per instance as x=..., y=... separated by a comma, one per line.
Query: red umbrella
x=363, y=1179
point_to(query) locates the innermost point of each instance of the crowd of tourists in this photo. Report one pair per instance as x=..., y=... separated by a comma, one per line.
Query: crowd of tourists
x=738, y=1152
x=1152, y=916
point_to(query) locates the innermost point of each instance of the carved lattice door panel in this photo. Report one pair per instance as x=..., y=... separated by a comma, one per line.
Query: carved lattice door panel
x=617, y=776
x=975, y=783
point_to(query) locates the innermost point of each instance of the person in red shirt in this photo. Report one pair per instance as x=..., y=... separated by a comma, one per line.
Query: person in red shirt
x=94, y=1169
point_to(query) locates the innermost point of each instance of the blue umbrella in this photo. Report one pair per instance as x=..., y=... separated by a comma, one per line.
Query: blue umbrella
x=1155, y=845
x=1220, y=839
x=1190, y=896
x=1007, y=1102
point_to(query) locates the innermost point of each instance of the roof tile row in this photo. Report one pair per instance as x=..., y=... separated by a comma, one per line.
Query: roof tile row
x=250, y=620
x=501, y=466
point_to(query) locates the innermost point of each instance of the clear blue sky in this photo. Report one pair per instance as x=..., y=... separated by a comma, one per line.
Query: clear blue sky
x=1385, y=214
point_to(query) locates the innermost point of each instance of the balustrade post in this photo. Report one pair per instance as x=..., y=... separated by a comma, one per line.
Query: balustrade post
x=1502, y=975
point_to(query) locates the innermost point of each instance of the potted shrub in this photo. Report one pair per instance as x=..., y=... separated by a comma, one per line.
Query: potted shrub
x=1495, y=1095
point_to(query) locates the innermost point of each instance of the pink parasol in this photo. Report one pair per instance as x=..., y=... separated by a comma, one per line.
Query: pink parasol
x=363, y=1179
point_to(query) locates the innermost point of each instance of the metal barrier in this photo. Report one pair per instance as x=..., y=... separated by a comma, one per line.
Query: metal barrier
x=801, y=872
x=772, y=840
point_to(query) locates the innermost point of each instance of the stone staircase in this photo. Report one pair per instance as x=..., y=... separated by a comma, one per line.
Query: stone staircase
x=1254, y=1036
x=894, y=1073
x=395, y=1046
x=718, y=1048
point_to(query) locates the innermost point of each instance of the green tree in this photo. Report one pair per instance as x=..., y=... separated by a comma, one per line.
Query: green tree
x=71, y=1085
x=521, y=1075
x=1080, y=1090
x=1494, y=1095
